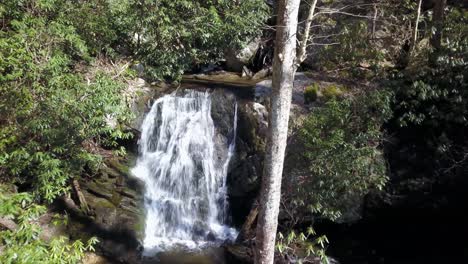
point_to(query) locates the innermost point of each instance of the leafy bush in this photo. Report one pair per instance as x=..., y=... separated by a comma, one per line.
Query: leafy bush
x=49, y=109
x=342, y=152
x=332, y=92
x=311, y=93
x=431, y=107
x=354, y=46
x=303, y=247
x=173, y=36
x=23, y=245
x=338, y=162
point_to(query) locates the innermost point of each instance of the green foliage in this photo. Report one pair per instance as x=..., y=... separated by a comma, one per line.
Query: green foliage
x=49, y=109
x=332, y=92
x=341, y=143
x=167, y=36
x=55, y=110
x=353, y=46
x=433, y=100
x=311, y=93
x=24, y=245
x=304, y=246
x=172, y=36
x=95, y=23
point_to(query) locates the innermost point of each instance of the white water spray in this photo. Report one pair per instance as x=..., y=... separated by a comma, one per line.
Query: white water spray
x=185, y=196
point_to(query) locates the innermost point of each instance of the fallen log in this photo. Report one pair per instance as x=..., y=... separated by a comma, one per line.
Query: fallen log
x=247, y=231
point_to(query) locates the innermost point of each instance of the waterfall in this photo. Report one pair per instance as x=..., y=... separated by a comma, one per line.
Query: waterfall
x=184, y=174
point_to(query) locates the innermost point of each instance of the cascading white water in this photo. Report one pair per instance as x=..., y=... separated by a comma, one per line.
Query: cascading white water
x=185, y=196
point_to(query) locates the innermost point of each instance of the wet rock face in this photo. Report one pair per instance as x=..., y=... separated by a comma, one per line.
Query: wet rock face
x=115, y=198
x=115, y=216
x=245, y=168
x=140, y=95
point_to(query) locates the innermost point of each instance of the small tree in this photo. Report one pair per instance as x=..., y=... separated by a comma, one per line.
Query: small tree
x=283, y=76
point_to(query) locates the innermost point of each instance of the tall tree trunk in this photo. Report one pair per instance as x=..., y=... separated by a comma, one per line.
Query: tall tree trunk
x=302, y=51
x=416, y=24
x=284, y=67
x=438, y=24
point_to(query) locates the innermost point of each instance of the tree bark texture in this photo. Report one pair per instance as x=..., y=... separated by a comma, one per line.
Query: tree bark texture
x=416, y=24
x=284, y=67
x=302, y=51
x=438, y=23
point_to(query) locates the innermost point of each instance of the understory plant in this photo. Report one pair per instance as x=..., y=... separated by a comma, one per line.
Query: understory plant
x=54, y=110
x=340, y=161
x=23, y=242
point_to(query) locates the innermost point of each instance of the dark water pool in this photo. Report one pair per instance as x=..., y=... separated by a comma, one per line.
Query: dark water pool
x=215, y=255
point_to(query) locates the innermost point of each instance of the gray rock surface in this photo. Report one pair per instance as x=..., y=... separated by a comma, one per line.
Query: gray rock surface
x=116, y=215
x=237, y=59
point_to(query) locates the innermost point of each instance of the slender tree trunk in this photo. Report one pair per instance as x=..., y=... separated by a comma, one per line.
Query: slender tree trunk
x=416, y=24
x=284, y=67
x=302, y=51
x=374, y=20
x=438, y=24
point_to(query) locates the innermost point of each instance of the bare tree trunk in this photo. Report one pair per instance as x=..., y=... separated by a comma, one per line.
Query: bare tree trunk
x=438, y=24
x=374, y=20
x=284, y=68
x=416, y=24
x=302, y=51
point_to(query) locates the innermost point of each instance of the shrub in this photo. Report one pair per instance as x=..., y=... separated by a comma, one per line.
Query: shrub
x=49, y=109
x=332, y=92
x=172, y=36
x=23, y=245
x=339, y=160
x=431, y=110
x=311, y=93
x=342, y=155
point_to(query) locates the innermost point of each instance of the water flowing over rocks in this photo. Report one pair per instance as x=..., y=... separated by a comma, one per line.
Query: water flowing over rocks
x=184, y=171
x=116, y=198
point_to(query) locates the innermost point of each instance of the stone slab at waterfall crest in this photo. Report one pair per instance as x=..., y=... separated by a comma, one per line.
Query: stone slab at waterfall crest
x=184, y=174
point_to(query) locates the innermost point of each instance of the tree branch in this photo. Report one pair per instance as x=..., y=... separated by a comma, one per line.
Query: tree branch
x=302, y=51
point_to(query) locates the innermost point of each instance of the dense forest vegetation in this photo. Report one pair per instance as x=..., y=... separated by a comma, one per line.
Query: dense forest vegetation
x=391, y=135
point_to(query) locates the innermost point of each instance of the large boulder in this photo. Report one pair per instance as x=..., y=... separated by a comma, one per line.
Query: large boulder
x=237, y=59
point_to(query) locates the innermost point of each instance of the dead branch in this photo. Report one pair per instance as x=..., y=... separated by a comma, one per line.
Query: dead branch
x=81, y=198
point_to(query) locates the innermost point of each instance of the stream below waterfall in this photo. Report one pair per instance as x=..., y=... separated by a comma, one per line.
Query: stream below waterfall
x=184, y=172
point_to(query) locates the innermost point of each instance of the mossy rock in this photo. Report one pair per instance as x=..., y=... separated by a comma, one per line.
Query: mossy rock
x=333, y=92
x=75, y=231
x=311, y=93
x=139, y=226
x=106, y=212
x=119, y=166
x=103, y=203
x=127, y=192
x=116, y=198
x=109, y=172
x=99, y=189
